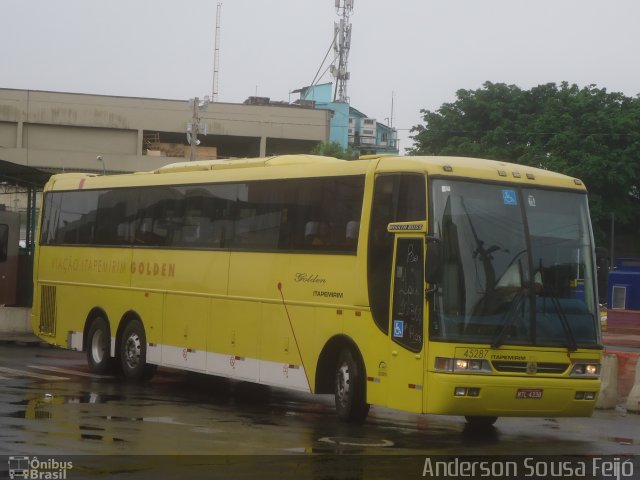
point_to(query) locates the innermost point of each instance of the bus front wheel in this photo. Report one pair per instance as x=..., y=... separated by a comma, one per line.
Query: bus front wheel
x=99, y=346
x=133, y=353
x=350, y=394
x=481, y=422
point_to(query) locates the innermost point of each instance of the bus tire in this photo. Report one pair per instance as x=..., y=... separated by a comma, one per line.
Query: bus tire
x=99, y=346
x=481, y=422
x=133, y=353
x=350, y=389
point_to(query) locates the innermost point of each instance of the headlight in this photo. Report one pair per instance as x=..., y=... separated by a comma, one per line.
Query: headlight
x=592, y=369
x=585, y=370
x=461, y=365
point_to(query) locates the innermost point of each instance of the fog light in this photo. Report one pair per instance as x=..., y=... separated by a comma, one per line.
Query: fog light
x=473, y=392
x=589, y=395
x=460, y=391
x=591, y=370
x=579, y=395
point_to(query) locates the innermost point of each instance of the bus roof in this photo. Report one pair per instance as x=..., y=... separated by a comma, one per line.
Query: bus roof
x=484, y=169
x=297, y=166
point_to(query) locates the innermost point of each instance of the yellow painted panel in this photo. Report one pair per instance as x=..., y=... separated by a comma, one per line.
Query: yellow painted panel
x=234, y=328
x=185, y=321
x=278, y=343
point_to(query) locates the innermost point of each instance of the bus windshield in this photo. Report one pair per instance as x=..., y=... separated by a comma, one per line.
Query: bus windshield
x=517, y=266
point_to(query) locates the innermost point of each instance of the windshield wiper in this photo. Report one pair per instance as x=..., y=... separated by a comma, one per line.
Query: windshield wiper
x=564, y=321
x=509, y=319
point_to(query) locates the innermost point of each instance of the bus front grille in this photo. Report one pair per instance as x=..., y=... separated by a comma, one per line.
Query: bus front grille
x=523, y=367
x=48, y=310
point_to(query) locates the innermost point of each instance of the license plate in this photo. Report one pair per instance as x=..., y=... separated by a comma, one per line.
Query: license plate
x=529, y=393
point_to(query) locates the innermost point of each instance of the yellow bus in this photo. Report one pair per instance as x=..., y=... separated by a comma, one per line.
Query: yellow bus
x=436, y=285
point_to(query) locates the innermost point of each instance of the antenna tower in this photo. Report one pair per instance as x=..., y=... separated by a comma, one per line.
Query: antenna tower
x=216, y=56
x=341, y=46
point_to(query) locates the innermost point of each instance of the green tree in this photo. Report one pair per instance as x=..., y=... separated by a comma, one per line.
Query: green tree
x=586, y=133
x=333, y=149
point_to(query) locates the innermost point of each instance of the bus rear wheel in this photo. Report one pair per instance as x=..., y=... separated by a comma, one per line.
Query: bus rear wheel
x=133, y=353
x=99, y=346
x=350, y=389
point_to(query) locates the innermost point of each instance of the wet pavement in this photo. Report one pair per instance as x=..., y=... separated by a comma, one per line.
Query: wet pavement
x=50, y=405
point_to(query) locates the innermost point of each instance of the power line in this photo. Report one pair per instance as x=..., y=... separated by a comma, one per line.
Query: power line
x=313, y=82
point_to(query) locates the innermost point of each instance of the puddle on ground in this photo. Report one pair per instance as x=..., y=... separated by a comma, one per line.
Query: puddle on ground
x=84, y=397
x=622, y=440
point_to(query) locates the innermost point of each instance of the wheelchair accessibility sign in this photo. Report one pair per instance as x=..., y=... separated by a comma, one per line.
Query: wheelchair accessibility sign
x=509, y=197
x=398, y=328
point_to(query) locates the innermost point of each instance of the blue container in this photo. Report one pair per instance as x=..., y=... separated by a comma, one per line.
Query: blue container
x=624, y=285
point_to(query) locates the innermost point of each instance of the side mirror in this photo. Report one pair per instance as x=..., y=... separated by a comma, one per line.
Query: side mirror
x=433, y=264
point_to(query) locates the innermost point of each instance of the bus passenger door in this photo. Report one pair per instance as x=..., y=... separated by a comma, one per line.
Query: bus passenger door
x=406, y=332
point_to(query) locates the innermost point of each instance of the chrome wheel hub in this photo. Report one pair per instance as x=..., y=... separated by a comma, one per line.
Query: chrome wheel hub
x=132, y=351
x=97, y=346
x=342, y=384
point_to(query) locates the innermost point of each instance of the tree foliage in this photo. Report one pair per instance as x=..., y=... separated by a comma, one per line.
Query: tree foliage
x=333, y=149
x=586, y=133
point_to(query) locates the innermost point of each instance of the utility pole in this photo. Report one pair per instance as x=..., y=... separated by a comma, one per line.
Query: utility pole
x=341, y=46
x=612, y=247
x=193, y=128
x=391, y=117
x=216, y=56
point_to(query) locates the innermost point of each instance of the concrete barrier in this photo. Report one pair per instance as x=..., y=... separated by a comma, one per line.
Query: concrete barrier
x=633, y=400
x=626, y=371
x=619, y=380
x=608, y=397
x=15, y=320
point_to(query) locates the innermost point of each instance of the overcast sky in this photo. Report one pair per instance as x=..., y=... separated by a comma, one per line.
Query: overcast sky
x=421, y=50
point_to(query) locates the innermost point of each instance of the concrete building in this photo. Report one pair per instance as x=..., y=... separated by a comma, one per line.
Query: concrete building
x=67, y=132
x=49, y=132
x=350, y=127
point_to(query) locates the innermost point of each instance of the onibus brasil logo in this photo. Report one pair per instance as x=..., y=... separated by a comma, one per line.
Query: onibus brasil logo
x=33, y=468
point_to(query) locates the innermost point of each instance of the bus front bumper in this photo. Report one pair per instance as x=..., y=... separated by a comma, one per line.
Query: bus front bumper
x=510, y=396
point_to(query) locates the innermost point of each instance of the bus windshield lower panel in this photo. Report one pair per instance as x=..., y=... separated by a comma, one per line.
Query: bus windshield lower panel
x=517, y=266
